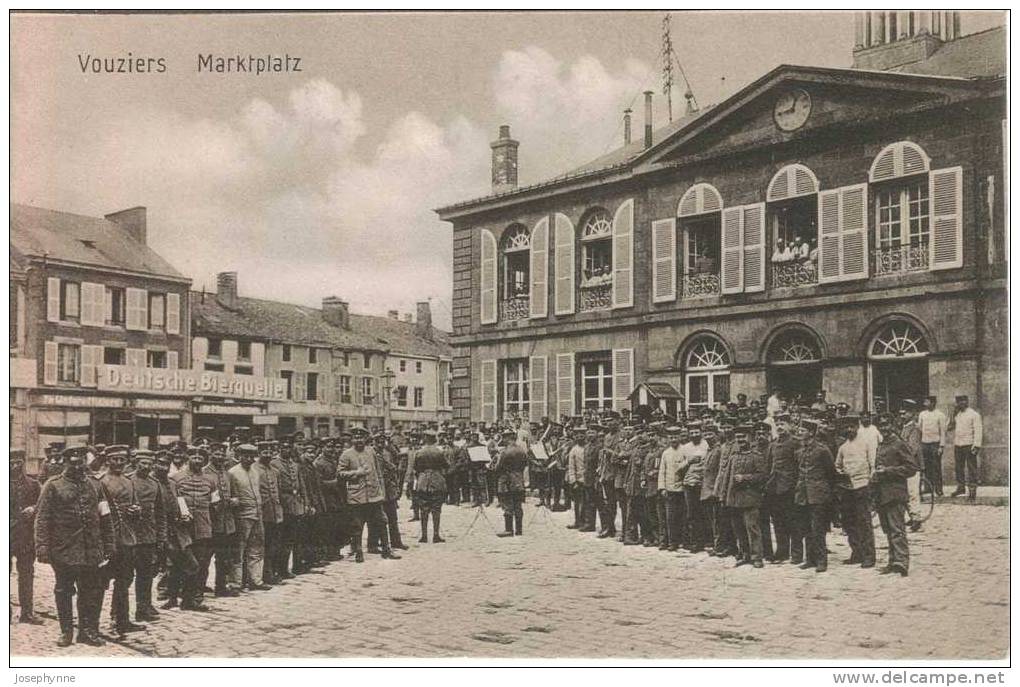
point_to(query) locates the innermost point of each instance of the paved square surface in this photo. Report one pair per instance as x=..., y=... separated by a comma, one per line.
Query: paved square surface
x=558, y=593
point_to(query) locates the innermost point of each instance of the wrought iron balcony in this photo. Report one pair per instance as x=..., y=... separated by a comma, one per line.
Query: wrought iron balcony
x=899, y=259
x=794, y=273
x=699, y=285
x=514, y=308
x=597, y=296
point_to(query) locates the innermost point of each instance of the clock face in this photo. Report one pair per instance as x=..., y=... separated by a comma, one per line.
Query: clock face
x=792, y=109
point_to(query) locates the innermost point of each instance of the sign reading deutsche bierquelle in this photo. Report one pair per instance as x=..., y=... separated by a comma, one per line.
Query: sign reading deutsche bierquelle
x=149, y=380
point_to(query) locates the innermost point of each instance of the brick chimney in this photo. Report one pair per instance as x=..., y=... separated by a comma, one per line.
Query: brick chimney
x=336, y=312
x=226, y=289
x=504, y=161
x=648, y=119
x=132, y=221
x=626, y=127
x=423, y=323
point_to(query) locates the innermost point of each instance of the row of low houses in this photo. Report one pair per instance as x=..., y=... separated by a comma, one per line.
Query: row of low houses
x=837, y=230
x=109, y=344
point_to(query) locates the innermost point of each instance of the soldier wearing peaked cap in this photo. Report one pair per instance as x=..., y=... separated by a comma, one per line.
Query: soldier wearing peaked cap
x=24, y=495
x=894, y=465
x=747, y=472
x=429, y=466
x=509, y=468
x=813, y=495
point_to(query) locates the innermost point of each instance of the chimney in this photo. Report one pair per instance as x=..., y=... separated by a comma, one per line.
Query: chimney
x=393, y=314
x=226, y=289
x=423, y=323
x=504, y=161
x=336, y=312
x=626, y=126
x=132, y=221
x=648, y=119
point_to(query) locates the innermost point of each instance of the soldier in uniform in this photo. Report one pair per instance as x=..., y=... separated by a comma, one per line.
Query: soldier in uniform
x=655, y=507
x=359, y=467
x=308, y=536
x=150, y=535
x=24, y=492
x=74, y=534
x=292, y=500
x=576, y=475
x=779, y=496
x=121, y=571
x=244, y=485
x=747, y=472
x=429, y=467
x=224, y=529
x=607, y=478
x=181, y=559
x=389, y=459
x=895, y=463
x=635, y=530
x=272, y=511
x=194, y=488
x=813, y=494
x=509, y=469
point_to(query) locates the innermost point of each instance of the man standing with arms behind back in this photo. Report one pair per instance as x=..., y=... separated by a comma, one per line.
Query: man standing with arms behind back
x=967, y=440
x=933, y=437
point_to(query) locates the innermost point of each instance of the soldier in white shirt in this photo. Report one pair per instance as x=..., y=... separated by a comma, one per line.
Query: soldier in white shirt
x=932, y=422
x=966, y=447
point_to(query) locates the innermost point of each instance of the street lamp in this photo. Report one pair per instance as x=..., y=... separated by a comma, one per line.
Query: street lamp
x=387, y=378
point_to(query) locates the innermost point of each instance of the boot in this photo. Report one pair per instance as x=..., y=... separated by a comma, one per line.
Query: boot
x=424, y=528
x=436, y=539
x=66, y=637
x=959, y=491
x=508, y=524
x=972, y=493
x=519, y=523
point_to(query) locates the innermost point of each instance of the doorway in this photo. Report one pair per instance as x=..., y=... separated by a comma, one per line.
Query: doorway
x=895, y=380
x=799, y=383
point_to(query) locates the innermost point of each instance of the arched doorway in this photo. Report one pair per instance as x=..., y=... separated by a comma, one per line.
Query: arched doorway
x=794, y=366
x=706, y=373
x=897, y=365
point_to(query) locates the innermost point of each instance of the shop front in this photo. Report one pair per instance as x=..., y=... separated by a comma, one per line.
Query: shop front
x=218, y=420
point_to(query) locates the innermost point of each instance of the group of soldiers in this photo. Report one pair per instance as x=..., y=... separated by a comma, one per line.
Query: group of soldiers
x=759, y=482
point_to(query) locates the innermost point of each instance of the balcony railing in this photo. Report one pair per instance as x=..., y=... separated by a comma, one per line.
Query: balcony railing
x=514, y=308
x=797, y=273
x=899, y=259
x=699, y=285
x=598, y=296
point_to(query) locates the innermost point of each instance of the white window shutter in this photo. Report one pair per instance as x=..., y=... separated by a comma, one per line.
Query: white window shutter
x=173, y=360
x=946, y=194
x=90, y=357
x=564, y=264
x=754, y=247
x=108, y=305
x=623, y=377
x=488, y=278
x=732, y=250
x=488, y=390
x=623, y=255
x=540, y=269
x=199, y=351
x=258, y=359
x=135, y=357
x=300, y=387
x=664, y=260
x=137, y=315
x=173, y=313
x=50, y=362
x=359, y=397
x=853, y=231
x=92, y=304
x=538, y=387
x=564, y=384
x=828, y=236
x=53, y=301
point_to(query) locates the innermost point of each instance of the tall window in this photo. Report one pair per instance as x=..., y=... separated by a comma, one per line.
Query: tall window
x=157, y=310
x=596, y=383
x=288, y=376
x=244, y=350
x=516, y=262
x=516, y=399
x=367, y=390
x=285, y=352
x=215, y=348
x=402, y=396
x=417, y=367
x=403, y=366
x=155, y=359
x=597, y=241
x=419, y=396
x=68, y=363
x=707, y=376
x=313, y=385
x=700, y=223
x=343, y=388
x=313, y=356
x=903, y=225
x=113, y=355
x=70, y=300
x=115, y=313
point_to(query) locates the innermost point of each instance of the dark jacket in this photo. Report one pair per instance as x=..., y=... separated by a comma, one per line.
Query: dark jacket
x=196, y=490
x=177, y=533
x=332, y=499
x=314, y=497
x=816, y=474
x=292, y=486
x=509, y=469
x=361, y=488
x=711, y=473
x=894, y=463
x=429, y=469
x=783, y=467
x=222, y=513
x=150, y=526
x=269, y=491
x=635, y=471
x=747, y=475
x=69, y=528
x=24, y=494
x=121, y=492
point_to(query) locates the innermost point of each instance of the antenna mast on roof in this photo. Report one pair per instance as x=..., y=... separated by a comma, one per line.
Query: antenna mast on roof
x=669, y=58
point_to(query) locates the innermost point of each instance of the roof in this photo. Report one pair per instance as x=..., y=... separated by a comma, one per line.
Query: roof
x=255, y=318
x=658, y=389
x=38, y=232
x=977, y=55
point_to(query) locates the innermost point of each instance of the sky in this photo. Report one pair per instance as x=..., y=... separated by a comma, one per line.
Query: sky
x=323, y=182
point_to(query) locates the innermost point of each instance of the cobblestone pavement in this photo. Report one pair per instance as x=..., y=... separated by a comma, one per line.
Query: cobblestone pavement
x=558, y=593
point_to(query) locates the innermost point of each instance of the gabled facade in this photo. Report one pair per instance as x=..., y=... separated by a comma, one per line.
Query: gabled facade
x=822, y=229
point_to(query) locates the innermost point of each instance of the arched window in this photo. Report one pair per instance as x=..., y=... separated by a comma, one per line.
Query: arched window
x=597, y=260
x=700, y=216
x=706, y=373
x=793, y=365
x=516, y=264
x=898, y=339
x=792, y=209
x=897, y=365
x=902, y=209
x=794, y=348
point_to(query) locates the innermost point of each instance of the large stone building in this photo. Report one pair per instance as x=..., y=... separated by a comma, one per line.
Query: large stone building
x=820, y=229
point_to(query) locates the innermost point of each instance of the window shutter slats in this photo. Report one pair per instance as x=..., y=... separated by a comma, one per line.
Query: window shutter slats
x=564, y=384
x=199, y=351
x=564, y=264
x=258, y=358
x=663, y=260
x=300, y=386
x=732, y=250
x=135, y=357
x=488, y=390
x=946, y=194
x=853, y=231
x=898, y=159
x=623, y=377
x=537, y=382
x=93, y=298
x=50, y=362
x=173, y=313
x=90, y=357
x=137, y=315
x=623, y=255
x=753, y=220
x=828, y=236
x=53, y=303
x=488, y=278
x=540, y=269
x=172, y=360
